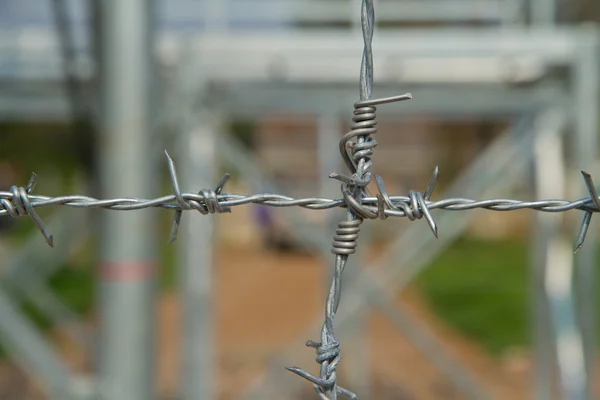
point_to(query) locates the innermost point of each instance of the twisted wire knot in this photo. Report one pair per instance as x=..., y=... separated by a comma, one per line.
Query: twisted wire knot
x=208, y=205
x=357, y=154
x=19, y=205
x=328, y=355
x=416, y=206
x=16, y=207
x=328, y=352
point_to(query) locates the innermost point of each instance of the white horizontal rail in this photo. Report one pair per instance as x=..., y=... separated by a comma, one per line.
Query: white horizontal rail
x=405, y=10
x=455, y=55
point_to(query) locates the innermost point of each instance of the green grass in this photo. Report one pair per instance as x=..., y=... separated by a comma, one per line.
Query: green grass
x=482, y=288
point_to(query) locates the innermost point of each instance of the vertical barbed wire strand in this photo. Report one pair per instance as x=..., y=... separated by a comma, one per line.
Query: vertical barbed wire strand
x=344, y=244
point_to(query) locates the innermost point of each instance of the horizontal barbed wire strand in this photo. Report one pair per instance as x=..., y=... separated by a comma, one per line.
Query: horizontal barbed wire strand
x=19, y=201
x=169, y=202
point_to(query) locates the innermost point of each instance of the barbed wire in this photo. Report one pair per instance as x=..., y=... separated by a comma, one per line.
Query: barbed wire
x=410, y=206
x=356, y=149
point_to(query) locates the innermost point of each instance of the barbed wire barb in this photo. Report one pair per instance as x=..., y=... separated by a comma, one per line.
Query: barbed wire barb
x=17, y=203
x=587, y=217
x=417, y=202
x=210, y=205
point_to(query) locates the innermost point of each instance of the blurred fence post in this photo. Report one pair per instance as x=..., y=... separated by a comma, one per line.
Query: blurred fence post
x=543, y=12
x=556, y=269
x=329, y=133
x=195, y=267
x=585, y=157
x=127, y=248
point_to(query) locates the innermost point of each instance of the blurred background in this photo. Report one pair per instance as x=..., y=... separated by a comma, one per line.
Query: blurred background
x=505, y=103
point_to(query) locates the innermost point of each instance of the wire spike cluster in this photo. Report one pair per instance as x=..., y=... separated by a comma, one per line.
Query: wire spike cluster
x=19, y=204
x=210, y=205
x=416, y=208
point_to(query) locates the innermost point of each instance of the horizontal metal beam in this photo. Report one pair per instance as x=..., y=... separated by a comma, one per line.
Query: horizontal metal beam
x=315, y=54
x=450, y=100
x=405, y=11
x=340, y=68
x=325, y=60
x=249, y=100
x=34, y=55
x=288, y=12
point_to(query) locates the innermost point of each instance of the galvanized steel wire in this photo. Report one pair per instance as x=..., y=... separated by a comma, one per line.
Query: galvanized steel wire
x=356, y=148
x=9, y=203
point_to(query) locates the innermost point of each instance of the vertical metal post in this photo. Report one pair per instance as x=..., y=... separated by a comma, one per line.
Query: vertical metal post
x=543, y=12
x=356, y=4
x=329, y=133
x=195, y=272
x=544, y=360
x=585, y=157
x=512, y=12
x=216, y=21
x=128, y=245
x=557, y=260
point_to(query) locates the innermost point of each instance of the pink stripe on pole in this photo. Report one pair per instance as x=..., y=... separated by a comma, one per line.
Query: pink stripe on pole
x=127, y=270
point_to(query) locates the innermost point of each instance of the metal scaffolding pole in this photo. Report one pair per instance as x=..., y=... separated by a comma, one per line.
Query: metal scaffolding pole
x=543, y=12
x=195, y=271
x=586, y=108
x=554, y=274
x=544, y=360
x=127, y=248
x=329, y=133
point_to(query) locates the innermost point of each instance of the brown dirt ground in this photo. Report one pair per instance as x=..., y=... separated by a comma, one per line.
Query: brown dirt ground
x=264, y=302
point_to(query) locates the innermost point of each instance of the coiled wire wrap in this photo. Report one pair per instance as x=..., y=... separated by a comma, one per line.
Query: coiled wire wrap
x=346, y=234
x=357, y=155
x=363, y=124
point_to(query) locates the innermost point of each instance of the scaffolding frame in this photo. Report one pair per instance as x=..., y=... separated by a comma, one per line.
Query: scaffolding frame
x=248, y=75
